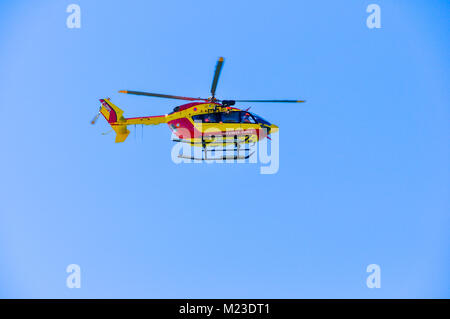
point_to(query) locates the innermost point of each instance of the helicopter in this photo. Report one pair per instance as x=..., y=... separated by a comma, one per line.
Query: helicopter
x=204, y=122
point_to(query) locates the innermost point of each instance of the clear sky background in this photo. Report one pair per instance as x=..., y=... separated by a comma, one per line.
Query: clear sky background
x=364, y=164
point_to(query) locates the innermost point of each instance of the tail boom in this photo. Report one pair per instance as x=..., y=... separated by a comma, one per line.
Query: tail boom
x=114, y=116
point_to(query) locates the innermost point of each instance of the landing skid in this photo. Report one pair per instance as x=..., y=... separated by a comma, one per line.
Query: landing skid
x=223, y=158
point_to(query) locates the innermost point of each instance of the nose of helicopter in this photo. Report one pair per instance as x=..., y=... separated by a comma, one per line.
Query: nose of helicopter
x=273, y=128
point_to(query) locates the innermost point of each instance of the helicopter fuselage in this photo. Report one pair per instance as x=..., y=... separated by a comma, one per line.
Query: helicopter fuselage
x=197, y=123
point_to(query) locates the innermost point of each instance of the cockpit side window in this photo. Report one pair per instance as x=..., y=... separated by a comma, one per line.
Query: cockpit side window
x=231, y=117
x=206, y=118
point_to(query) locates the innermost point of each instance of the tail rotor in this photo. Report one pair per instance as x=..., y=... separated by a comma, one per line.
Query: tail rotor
x=96, y=117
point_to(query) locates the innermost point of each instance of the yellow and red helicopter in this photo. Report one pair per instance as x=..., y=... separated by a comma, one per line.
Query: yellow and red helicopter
x=204, y=122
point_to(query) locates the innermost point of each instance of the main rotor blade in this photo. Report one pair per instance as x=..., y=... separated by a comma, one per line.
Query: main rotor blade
x=272, y=101
x=216, y=76
x=164, y=96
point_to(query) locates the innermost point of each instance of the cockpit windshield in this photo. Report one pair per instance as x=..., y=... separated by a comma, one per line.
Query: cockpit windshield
x=260, y=120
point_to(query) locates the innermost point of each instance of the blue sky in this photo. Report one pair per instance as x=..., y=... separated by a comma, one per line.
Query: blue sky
x=363, y=177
